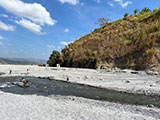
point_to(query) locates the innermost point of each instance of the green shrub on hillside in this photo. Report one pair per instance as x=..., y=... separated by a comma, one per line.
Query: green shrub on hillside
x=126, y=14
x=54, y=59
x=145, y=10
x=135, y=11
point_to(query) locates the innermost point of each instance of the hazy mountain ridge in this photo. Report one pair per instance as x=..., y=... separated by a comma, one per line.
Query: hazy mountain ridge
x=21, y=61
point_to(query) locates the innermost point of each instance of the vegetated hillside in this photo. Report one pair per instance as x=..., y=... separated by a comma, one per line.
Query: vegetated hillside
x=129, y=43
x=20, y=61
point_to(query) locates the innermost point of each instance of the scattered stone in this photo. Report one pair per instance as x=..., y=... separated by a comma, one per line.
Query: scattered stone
x=151, y=106
x=153, y=85
x=134, y=72
x=86, y=77
x=152, y=73
x=22, y=83
x=122, y=71
x=2, y=73
x=138, y=110
x=66, y=77
x=127, y=81
x=3, y=86
x=108, y=70
x=50, y=78
x=158, y=82
x=43, y=77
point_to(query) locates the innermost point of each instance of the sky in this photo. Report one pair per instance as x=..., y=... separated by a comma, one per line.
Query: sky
x=34, y=28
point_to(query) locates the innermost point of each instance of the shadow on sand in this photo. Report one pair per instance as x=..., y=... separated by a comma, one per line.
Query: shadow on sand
x=47, y=87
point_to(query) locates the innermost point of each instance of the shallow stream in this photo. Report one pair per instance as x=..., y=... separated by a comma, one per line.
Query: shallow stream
x=48, y=87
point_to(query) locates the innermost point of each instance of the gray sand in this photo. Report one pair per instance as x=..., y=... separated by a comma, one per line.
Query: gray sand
x=14, y=105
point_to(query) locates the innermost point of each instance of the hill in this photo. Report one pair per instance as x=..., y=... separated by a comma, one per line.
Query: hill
x=21, y=61
x=132, y=42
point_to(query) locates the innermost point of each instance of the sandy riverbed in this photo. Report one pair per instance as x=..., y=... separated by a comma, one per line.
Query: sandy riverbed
x=15, y=104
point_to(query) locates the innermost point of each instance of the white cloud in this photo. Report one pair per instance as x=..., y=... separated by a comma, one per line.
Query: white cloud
x=66, y=30
x=65, y=43
x=5, y=27
x=4, y=15
x=1, y=43
x=33, y=11
x=50, y=46
x=30, y=26
x=72, y=2
x=1, y=38
x=111, y=4
x=123, y=4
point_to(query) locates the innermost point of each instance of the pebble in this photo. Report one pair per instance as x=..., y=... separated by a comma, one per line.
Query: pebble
x=151, y=106
x=127, y=81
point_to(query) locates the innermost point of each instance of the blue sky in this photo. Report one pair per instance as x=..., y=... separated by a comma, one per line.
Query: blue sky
x=33, y=28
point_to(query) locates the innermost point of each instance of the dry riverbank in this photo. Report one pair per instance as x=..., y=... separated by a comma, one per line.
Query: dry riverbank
x=56, y=93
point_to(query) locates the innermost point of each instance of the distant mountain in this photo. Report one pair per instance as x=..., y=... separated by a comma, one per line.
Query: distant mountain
x=21, y=61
